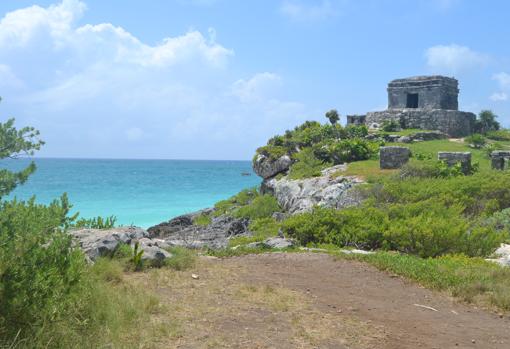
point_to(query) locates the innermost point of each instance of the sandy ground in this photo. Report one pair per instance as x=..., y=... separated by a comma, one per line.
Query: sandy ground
x=306, y=300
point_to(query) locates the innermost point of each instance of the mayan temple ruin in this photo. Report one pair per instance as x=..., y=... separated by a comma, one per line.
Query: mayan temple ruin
x=424, y=102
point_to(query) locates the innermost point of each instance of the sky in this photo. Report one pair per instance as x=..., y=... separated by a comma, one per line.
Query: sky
x=214, y=79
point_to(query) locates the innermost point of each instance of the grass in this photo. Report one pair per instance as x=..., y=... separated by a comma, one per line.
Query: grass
x=202, y=220
x=368, y=169
x=261, y=228
x=473, y=280
x=182, y=258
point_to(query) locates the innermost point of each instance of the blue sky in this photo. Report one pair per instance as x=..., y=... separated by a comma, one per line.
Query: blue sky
x=214, y=79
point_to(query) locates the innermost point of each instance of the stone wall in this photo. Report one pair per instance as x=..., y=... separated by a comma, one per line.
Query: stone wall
x=434, y=92
x=500, y=159
x=356, y=119
x=452, y=158
x=393, y=157
x=452, y=122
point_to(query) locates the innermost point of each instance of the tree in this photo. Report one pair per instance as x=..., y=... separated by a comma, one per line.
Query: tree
x=486, y=122
x=13, y=144
x=333, y=116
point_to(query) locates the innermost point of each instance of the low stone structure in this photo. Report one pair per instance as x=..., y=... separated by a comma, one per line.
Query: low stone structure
x=425, y=102
x=500, y=159
x=452, y=158
x=356, y=119
x=393, y=157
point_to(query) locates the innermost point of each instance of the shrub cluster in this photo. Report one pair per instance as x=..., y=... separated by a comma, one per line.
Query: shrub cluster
x=424, y=216
x=499, y=135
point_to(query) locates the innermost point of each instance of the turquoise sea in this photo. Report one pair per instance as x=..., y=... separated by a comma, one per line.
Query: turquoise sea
x=139, y=192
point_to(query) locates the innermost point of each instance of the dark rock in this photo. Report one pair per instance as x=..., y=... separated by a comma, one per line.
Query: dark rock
x=393, y=157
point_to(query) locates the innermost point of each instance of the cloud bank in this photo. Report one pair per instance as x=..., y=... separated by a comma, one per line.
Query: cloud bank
x=97, y=90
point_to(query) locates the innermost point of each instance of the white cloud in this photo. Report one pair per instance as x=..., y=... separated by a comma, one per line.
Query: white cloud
x=498, y=96
x=259, y=86
x=298, y=11
x=503, y=79
x=98, y=90
x=454, y=58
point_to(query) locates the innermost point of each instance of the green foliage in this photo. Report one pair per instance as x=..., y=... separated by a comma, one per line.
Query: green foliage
x=40, y=271
x=425, y=228
x=490, y=147
x=202, y=219
x=486, y=122
x=333, y=116
x=499, y=221
x=182, y=258
x=352, y=150
x=306, y=165
x=262, y=228
x=476, y=140
x=390, y=126
x=136, y=258
x=262, y=206
x=499, y=135
x=242, y=198
x=96, y=222
x=356, y=131
x=472, y=279
x=274, y=152
x=13, y=144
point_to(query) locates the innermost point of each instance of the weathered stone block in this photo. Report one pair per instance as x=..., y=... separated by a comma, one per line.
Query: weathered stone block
x=393, y=157
x=452, y=158
x=356, y=119
x=500, y=159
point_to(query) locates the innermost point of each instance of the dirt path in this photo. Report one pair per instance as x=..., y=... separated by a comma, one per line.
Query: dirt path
x=305, y=300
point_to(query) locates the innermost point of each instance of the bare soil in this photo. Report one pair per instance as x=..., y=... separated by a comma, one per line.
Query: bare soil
x=309, y=300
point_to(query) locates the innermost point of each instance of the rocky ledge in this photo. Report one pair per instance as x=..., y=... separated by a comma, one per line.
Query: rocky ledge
x=181, y=231
x=97, y=243
x=328, y=190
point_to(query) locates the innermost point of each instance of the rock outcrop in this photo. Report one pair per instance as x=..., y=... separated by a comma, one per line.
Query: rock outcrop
x=97, y=243
x=181, y=231
x=328, y=190
x=266, y=167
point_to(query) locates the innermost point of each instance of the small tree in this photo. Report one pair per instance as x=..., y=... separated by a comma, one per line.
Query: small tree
x=14, y=143
x=333, y=116
x=486, y=122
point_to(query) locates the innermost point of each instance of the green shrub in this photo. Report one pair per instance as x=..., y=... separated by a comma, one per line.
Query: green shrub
x=427, y=229
x=419, y=169
x=499, y=135
x=356, y=131
x=390, y=126
x=262, y=228
x=476, y=140
x=40, y=271
x=273, y=152
x=96, y=222
x=499, y=221
x=229, y=205
x=350, y=150
x=306, y=165
x=202, y=219
x=261, y=207
x=490, y=147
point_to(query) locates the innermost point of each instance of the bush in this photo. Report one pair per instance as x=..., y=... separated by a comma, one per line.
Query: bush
x=96, y=222
x=182, y=258
x=427, y=229
x=476, y=140
x=229, y=205
x=306, y=165
x=499, y=135
x=261, y=207
x=350, y=150
x=499, y=221
x=419, y=169
x=390, y=126
x=40, y=271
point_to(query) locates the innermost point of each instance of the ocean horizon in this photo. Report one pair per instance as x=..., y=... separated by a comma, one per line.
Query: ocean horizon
x=141, y=192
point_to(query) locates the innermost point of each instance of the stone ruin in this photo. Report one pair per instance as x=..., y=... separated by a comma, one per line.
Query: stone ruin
x=452, y=158
x=500, y=159
x=424, y=102
x=393, y=157
x=356, y=119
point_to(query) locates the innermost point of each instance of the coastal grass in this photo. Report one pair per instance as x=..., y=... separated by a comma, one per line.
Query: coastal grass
x=262, y=228
x=473, y=280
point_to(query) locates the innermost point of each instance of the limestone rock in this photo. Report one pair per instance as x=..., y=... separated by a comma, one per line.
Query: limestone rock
x=214, y=235
x=296, y=196
x=279, y=242
x=97, y=243
x=267, y=168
